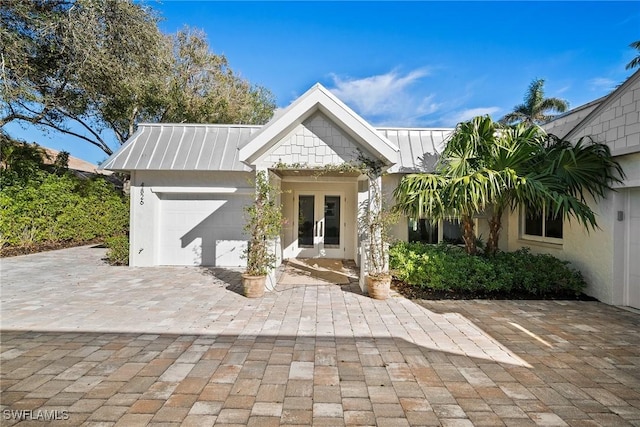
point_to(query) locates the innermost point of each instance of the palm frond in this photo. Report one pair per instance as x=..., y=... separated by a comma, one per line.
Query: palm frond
x=584, y=167
x=535, y=93
x=556, y=104
x=421, y=195
x=635, y=62
x=518, y=114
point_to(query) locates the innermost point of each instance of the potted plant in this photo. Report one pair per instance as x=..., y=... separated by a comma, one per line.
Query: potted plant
x=264, y=223
x=376, y=220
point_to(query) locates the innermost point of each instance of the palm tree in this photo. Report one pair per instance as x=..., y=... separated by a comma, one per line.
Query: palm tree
x=512, y=153
x=462, y=185
x=535, y=107
x=542, y=171
x=487, y=167
x=635, y=62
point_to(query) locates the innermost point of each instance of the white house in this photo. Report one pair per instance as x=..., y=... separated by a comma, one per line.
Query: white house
x=608, y=257
x=189, y=184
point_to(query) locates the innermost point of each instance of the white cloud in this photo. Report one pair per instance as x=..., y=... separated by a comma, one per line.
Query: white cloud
x=387, y=99
x=602, y=83
x=456, y=117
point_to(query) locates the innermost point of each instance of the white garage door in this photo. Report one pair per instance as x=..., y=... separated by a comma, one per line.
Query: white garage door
x=633, y=249
x=201, y=229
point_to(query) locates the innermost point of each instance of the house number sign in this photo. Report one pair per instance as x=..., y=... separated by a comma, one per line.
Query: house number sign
x=142, y=194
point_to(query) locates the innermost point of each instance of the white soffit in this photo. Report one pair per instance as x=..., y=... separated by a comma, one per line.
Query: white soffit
x=318, y=98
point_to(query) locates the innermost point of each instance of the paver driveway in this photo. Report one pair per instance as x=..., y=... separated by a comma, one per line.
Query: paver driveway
x=99, y=345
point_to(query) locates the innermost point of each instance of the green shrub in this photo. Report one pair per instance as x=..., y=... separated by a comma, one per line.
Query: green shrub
x=449, y=268
x=60, y=208
x=539, y=274
x=118, y=250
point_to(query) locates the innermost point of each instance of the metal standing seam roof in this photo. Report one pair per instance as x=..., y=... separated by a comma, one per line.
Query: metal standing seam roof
x=203, y=147
x=419, y=148
x=183, y=147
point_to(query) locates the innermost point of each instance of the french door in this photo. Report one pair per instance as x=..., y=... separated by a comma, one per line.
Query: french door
x=320, y=224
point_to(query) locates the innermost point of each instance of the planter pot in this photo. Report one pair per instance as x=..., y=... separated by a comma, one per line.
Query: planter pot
x=378, y=286
x=253, y=285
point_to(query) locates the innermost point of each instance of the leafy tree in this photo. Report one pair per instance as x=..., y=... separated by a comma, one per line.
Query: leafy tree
x=635, y=62
x=487, y=167
x=203, y=89
x=96, y=64
x=19, y=160
x=93, y=69
x=535, y=108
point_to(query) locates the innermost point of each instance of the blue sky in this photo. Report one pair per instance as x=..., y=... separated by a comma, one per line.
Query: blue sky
x=411, y=64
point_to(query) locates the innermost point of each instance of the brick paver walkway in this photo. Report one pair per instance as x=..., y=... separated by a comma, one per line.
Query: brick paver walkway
x=100, y=345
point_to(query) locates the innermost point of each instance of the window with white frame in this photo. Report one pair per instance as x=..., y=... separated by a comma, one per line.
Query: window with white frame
x=425, y=231
x=541, y=225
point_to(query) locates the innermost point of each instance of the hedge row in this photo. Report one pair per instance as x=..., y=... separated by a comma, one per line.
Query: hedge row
x=449, y=268
x=53, y=208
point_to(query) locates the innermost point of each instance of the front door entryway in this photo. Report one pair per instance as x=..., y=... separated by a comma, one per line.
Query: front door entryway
x=320, y=225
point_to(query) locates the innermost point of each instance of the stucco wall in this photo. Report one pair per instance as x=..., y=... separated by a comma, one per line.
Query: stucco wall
x=599, y=253
x=631, y=167
x=147, y=190
x=400, y=230
x=589, y=251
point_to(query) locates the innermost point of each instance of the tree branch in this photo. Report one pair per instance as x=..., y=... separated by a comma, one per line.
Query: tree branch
x=100, y=143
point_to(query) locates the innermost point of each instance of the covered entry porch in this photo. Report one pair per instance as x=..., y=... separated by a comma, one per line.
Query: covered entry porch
x=321, y=213
x=320, y=241
x=313, y=150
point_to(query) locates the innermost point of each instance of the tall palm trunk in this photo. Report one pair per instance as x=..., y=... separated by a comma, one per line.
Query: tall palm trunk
x=468, y=235
x=495, y=225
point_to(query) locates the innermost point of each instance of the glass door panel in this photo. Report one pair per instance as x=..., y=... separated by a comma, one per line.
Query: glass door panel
x=320, y=225
x=331, y=221
x=306, y=220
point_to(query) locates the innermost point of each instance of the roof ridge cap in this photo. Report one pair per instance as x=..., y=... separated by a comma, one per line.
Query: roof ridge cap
x=201, y=124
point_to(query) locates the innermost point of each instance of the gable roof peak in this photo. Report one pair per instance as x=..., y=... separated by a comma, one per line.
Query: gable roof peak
x=604, y=103
x=319, y=98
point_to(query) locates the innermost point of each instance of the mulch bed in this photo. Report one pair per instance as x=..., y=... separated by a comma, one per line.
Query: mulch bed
x=415, y=292
x=42, y=247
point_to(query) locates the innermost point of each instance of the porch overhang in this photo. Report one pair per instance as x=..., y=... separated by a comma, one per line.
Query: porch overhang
x=301, y=173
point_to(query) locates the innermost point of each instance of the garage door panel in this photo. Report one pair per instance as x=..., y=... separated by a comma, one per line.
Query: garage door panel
x=198, y=229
